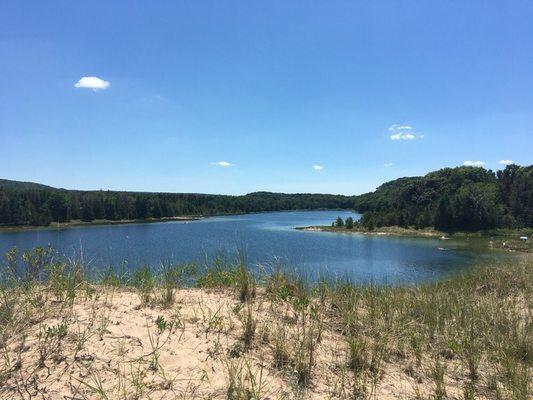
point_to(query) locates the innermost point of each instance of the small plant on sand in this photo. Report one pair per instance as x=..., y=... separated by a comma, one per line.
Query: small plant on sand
x=111, y=277
x=243, y=382
x=11, y=276
x=219, y=273
x=102, y=323
x=438, y=377
x=236, y=350
x=143, y=281
x=357, y=354
x=81, y=337
x=280, y=349
x=469, y=393
x=304, y=354
x=64, y=279
x=7, y=306
x=95, y=384
x=137, y=379
x=157, y=341
x=35, y=261
x=245, y=283
x=172, y=277
x=50, y=342
x=470, y=345
x=249, y=327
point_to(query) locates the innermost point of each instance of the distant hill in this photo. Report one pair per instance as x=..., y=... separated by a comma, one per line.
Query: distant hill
x=462, y=198
x=18, y=185
x=450, y=199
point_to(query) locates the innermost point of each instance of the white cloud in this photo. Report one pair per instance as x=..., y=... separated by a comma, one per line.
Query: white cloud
x=396, y=128
x=92, y=82
x=506, y=162
x=389, y=164
x=224, y=164
x=318, y=167
x=402, y=132
x=469, y=163
x=402, y=136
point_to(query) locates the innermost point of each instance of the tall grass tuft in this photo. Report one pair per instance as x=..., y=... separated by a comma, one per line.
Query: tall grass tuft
x=172, y=277
x=144, y=281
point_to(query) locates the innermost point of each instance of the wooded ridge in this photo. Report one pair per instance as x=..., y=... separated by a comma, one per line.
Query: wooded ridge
x=450, y=199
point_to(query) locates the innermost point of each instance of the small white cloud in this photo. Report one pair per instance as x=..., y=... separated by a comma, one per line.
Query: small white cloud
x=224, y=164
x=506, y=162
x=389, y=164
x=92, y=82
x=318, y=167
x=396, y=128
x=469, y=163
x=402, y=136
x=402, y=132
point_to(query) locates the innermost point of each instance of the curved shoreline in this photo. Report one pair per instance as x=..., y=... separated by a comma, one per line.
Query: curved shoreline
x=386, y=231
x=103, y=222
x=100, y=222
x=493, y=240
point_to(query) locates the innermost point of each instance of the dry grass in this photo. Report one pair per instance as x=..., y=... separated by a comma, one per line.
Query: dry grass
x=146, y=336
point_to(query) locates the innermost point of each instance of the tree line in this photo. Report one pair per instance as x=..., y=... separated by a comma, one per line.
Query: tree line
x=450, y=199
x=39, y=205
x=453, y=199
x=349, y=223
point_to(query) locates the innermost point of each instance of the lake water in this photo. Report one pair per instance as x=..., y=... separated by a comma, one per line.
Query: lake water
x=265, y=239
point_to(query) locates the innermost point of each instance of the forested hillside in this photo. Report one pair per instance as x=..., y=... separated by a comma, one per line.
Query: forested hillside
x=23, y=203
x=17, y=185
x=453, y=199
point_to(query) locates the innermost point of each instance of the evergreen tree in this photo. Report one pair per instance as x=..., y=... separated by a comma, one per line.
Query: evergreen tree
x=87, y=213
x=349, y=223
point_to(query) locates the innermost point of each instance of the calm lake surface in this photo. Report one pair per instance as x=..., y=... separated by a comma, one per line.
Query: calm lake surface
x=263, y=239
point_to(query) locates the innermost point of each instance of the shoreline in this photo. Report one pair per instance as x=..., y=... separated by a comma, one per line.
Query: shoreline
x=385, y=231
x=100, y=222
x=103, y=222
x=501, y=240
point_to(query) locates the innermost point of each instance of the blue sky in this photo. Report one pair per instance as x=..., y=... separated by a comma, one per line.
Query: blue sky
x=296, y=96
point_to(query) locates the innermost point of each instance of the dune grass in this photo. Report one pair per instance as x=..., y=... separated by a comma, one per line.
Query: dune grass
x=468, y=336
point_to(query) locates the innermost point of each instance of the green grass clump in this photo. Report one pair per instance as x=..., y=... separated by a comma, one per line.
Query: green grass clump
x=481, y=318
x=218, y=274
x=144, y=281
x=222, y=274
x=172, y=277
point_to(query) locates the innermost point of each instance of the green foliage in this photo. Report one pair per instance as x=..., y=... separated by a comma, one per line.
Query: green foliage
x=59, y=330
x=249, y=327
x=349, y=223
x=162, y=324
x=357, y=352
x=35, y=262
x=218, y=274
x=172, y=277
x=144, y=281
x=453, y=199
x=32, y=204
x=245, y=283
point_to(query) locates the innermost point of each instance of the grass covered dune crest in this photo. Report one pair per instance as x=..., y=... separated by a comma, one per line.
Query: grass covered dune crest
x=225, y=333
